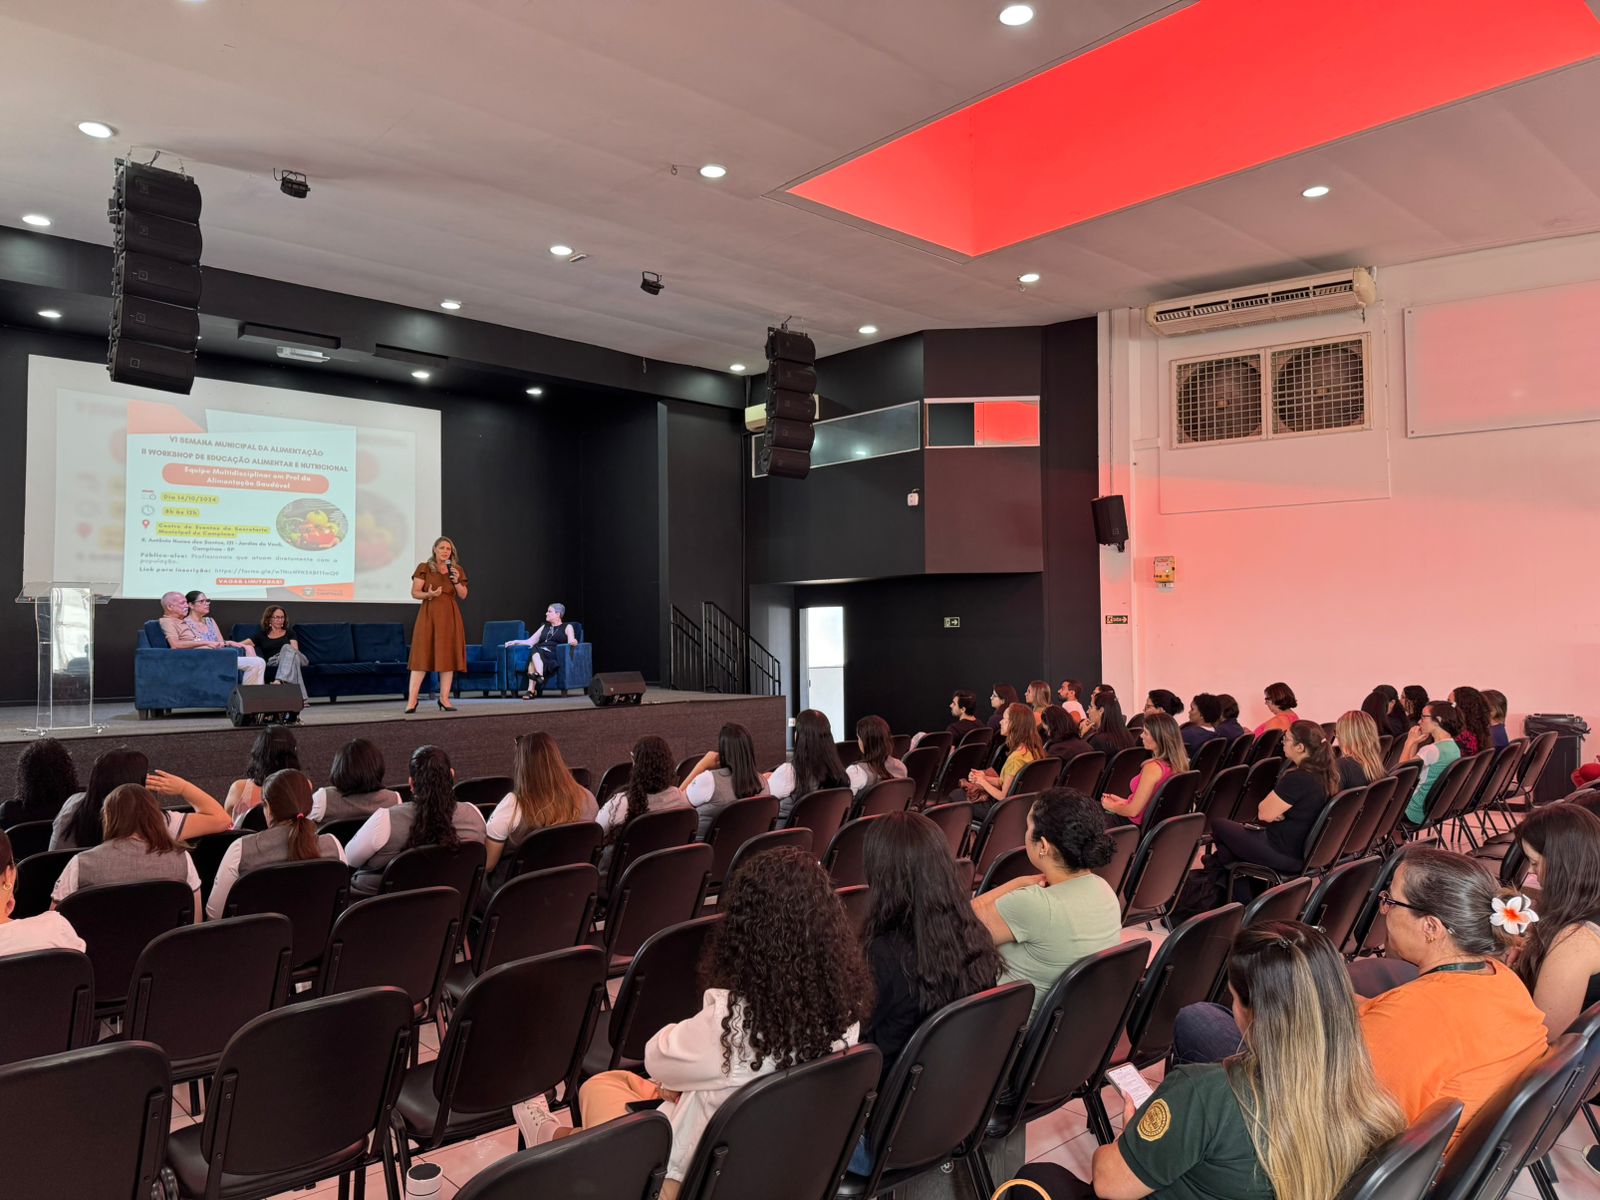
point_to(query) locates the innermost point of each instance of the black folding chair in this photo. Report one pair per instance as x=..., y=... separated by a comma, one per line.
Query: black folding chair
x=1208, y=759
x=1238, y=751
x=1037, y=776
x=206, y=854
x=733, y=827
x=625, y=1159
x=1268, y=744
x=794, y=835
x=954, y=820
x=964, y=759
x=29, y=838
x=845, y=859
x=856, y=900
x=309, y=893
x=613, y=780
x=1258, y=785
x=116, y=922
x=49, y=1002
x=343, y=830
x=1121, y=771
x=1367, y=833
x=1004, y=827
x=1221, y=798
x=1013, y=864
x=922, y=768
x=554, y=846
x=1404, y=1166
x=1284, y=902
x=484, y=790
x=645, y=834
x=1082, y=771
x=36, y=879
x=1336, y=904
x=823, y=812
x=658, y=889
x=1160, y=868
x=536, y=913
x=1124, y=845
x=1174, y=796
x=885, y=796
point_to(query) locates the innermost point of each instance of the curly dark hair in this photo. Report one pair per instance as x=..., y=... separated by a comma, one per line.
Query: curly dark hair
x=274, y=750
x=789, y=959
x=914, y=894
x=1074, y=826
x=654, y=770
x=46, y=776
x=1475, y=716
x=433, y=791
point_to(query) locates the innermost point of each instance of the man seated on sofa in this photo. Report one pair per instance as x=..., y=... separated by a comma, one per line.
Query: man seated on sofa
x=186, y=620
x=555, y=630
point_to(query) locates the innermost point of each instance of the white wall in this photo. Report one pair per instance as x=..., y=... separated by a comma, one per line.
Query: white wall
x=1339, y=561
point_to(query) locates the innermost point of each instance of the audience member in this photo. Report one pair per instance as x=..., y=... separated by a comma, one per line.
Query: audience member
x=186, y=620
x=1290, y=1116
x=46, y=931
x=80, y=823
x=1285, y=817
x=274, y=750
x=1022, y=746
x=1167, y=757
x=1044, y=923
x=1205, y=711
x=355, y=785
x=1360, y=760
x=278, y=647
x=430, y=818
x=1070, y=693
x=1377, y=707
x=1002, y=695
x=1413, y=699
x=1476, y=720
x=46, y=777
x=1497, y=718
x=1229, y=726
x=1108, y=731
x=1162, y=701
x=290, y=836
x=1038, y=696
x=874, y=741
x=1060, y=735
x=1432, y=741
x=724, y=775
x=137, y=844
x=650, y=789
x=1560, y=957
x=1280, y=702
x=964, y=716
x=543, y=793
x=785, y=984
x=1394, y=721
x=814, y=765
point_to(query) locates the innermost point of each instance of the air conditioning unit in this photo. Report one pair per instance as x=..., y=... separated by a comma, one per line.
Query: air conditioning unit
x=1338, y=291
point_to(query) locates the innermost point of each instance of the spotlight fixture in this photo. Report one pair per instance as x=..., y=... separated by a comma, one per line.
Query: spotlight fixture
x=450, y=305
x=1028, y=277
x=292, y=183
x=50, y=314
x=1016, y=14
x=867, y=330
x=650, y=281
x=536, y=391
x=713, y=170
x=96, y=129
x=1316, y=191
x=37, y=220
x=736, y=368
x=561, y=251
x=422, y=375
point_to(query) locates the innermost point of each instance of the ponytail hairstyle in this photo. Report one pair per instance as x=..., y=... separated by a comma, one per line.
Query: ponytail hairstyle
x=1303, y=1058
x=1022, y=731
x=1566, y=837
x=1112, y=726
x=1475, y=716
x=1163, y=731
x=111, y=770
x=876, y=741
x=433, y=791
x=1318, y=762
x=653, y=771
x=1458, y=892
x=132, y=811
x=287, y=795
x=736, y=752
x=1357, y=732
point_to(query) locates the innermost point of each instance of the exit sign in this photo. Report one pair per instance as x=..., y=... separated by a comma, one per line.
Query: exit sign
x=952, y=622
x=1116, y=618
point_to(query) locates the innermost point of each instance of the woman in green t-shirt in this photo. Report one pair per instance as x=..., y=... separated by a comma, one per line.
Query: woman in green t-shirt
x=1290, y=1117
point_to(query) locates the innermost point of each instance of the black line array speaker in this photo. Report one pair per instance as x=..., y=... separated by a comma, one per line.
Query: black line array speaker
x=791, y=405
x=616, y=687
x=1110, y=521
x=155, y=282
x=259, y=703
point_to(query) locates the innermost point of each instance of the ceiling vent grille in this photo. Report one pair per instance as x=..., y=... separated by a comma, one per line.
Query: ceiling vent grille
x=1338, y=291
x=1304, y=388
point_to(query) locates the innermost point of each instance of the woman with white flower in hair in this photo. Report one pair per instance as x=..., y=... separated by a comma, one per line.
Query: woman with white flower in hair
x=1560, y=957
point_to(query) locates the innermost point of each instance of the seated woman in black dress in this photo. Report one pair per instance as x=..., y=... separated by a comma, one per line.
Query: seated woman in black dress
x=1277, y=837
x=275, y=642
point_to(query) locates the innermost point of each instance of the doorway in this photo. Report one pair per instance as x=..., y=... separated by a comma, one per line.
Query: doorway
x=822, y=664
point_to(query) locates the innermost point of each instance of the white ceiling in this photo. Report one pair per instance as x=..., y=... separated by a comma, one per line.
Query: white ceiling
x=450, y=142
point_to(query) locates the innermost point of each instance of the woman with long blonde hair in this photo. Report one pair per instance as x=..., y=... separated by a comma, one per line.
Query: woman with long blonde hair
x=543, y=793
x=1168, y=756
x=1360, y=757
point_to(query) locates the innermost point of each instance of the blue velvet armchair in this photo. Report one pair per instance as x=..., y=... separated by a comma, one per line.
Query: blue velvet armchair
x=487, y=661
x=164, y=678
x=572, y=669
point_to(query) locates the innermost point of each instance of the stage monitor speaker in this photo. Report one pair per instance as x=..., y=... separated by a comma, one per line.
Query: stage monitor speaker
x=259, y=703
x=1110, y=521
x=616, y=687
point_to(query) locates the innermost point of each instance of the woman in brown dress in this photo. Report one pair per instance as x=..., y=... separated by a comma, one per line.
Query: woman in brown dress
x=439, y=642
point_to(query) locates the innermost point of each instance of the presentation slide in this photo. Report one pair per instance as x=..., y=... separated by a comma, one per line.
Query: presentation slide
x=242, y=491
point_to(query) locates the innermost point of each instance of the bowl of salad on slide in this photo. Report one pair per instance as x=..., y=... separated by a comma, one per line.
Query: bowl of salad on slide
x=312, y=525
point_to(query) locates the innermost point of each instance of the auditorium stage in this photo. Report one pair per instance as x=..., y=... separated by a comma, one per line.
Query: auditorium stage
x=207, y=750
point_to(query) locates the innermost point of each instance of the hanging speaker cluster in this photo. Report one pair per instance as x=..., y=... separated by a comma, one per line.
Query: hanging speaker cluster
x=155, y=286
x=791, y=404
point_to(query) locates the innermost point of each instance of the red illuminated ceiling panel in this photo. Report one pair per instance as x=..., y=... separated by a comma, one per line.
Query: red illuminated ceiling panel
x=1215, y=88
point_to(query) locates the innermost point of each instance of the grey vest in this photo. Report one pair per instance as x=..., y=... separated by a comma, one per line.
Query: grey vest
x=272, y=846
x=126, y=861
x=336, y=806
x=468, y=822
x=721, y=796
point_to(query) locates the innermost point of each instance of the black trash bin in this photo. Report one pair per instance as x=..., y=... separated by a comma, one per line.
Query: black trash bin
x=1570, y=730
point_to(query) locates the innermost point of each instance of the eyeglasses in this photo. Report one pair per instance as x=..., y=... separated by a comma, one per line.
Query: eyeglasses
x=1387, y=902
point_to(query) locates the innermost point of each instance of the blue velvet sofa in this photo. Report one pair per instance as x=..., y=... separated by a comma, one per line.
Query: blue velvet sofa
x=165, y=679
x=353, y=659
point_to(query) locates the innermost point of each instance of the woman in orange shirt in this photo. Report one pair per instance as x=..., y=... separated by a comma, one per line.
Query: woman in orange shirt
x=1280, y=703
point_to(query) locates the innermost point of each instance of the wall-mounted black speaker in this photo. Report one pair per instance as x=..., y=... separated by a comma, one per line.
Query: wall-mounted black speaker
x=155, y=285
x=1110, y=521
x=616, y=687
x=257, y=703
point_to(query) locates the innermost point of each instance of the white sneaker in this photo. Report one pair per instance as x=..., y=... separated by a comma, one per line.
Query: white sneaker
x=535, y=1121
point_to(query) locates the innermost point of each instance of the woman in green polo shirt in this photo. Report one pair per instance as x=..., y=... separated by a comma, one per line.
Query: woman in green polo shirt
x=1290, y=1117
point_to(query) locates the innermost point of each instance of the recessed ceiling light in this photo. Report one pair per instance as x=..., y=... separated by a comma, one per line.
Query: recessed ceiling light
x=50, y=314
x=867, y=330
x=1028, y=277
x=535, y=391
x=1016, y=14
x=422, y=375
x=713, y=170
x=37, y=220
x=450, y=305
x=96, y=129
x=1316, y=191
x=736, y=367
x=561, y=251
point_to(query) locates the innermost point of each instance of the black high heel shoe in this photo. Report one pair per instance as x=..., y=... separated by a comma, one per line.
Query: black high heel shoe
x=447, y=707
x=411, y=710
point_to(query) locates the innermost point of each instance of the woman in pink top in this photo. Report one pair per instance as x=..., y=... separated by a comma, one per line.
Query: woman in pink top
x=1160, y=736
x=1280, y=703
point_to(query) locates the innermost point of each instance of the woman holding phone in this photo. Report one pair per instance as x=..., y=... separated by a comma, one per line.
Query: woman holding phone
x=439, y=641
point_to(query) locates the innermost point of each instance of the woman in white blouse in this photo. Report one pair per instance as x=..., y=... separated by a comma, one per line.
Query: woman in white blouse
x=723, y=775
x=815, y=764
x=47, y=931
x=876, y=763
